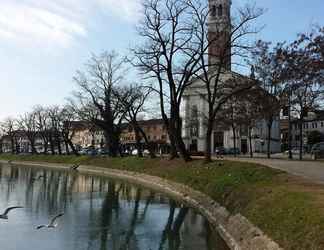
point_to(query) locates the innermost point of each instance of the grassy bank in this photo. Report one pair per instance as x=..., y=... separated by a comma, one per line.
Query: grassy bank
x=288, y=209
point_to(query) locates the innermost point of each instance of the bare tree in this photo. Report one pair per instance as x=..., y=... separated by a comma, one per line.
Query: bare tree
x=8, y=127
x=306, y=79
x=249, y=109
x=135, y=105
x=28, y=125
x=67, y=128
x=231, y=116
x=55, y=137
x=268, y=64
x=170, y=55
x=43, y=125
x=97, y=99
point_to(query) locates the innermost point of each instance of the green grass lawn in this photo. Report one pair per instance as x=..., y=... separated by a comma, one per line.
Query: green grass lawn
x=288, y=209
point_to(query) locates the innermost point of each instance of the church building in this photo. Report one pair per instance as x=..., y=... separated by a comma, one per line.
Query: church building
x=194, y=106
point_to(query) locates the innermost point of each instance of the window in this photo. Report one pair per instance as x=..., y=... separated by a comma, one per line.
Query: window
x=322, y=124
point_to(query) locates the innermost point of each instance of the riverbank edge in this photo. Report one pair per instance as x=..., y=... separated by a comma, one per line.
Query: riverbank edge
x=237, y=231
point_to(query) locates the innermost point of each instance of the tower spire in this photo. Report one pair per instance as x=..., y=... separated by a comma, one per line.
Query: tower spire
x=219, y=28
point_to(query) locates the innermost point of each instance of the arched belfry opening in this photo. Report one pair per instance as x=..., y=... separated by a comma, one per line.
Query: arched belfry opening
x=220, y=10
x=213, y=10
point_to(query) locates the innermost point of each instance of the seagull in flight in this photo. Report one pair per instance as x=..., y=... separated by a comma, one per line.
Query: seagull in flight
x=4, y=216
x=52, y=223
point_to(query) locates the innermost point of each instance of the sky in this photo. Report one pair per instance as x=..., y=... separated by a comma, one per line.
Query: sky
x=43, y=43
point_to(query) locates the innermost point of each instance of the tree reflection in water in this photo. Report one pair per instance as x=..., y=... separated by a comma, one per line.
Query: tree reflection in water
x=101, y=213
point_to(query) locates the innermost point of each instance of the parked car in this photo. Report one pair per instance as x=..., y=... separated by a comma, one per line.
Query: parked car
x=88, y=151
x=83, y=151
x=135, y=152
x=295, y=151
x=102, y=151
x=232, y=151
x=317, y=150
x=92, y=152
x=220, y=151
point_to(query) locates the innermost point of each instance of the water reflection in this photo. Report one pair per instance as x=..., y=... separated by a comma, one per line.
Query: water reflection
x=99, y=214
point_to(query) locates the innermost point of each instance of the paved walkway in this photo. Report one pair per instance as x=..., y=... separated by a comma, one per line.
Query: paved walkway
x=312, y=170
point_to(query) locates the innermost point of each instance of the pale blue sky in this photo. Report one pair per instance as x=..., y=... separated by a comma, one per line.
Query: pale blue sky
x=42, y=43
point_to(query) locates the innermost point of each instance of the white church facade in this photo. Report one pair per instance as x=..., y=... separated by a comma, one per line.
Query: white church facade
x=193, y=104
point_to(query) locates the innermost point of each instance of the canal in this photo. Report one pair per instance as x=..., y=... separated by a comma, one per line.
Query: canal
x=99, y=213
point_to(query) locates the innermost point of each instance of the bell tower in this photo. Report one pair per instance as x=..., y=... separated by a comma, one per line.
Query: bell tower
x=219, y=29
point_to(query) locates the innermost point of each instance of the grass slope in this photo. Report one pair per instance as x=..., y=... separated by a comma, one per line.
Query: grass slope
x=288, y=209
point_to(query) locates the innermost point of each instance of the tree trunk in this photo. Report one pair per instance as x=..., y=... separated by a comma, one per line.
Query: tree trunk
x=182, y=148
x=208, y=142
x=234, y=139
x=45, y=146
x=301, y=138
x=176, y=131
x=17, y=150
x=12, y=145
x=290, y=155
x=66, y=147
x=75, y=152
x=58, y=142
x=173, y=152
x=32, y=145
x=138, y=142
x=112, y=145
x=250, y=142
x=147, y=142
x=269, y=125
x=51, y=141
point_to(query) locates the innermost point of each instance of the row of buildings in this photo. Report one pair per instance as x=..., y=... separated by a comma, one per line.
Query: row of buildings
x=86, y=136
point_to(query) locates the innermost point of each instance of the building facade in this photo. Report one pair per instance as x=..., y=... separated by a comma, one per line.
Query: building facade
x=313, y=122
x=155, y=131
x=194, y=107
x=86, y=135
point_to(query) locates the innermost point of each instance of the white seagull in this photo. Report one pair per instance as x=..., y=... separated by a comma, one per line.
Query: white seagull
x=52, y=223
x=4, y=216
